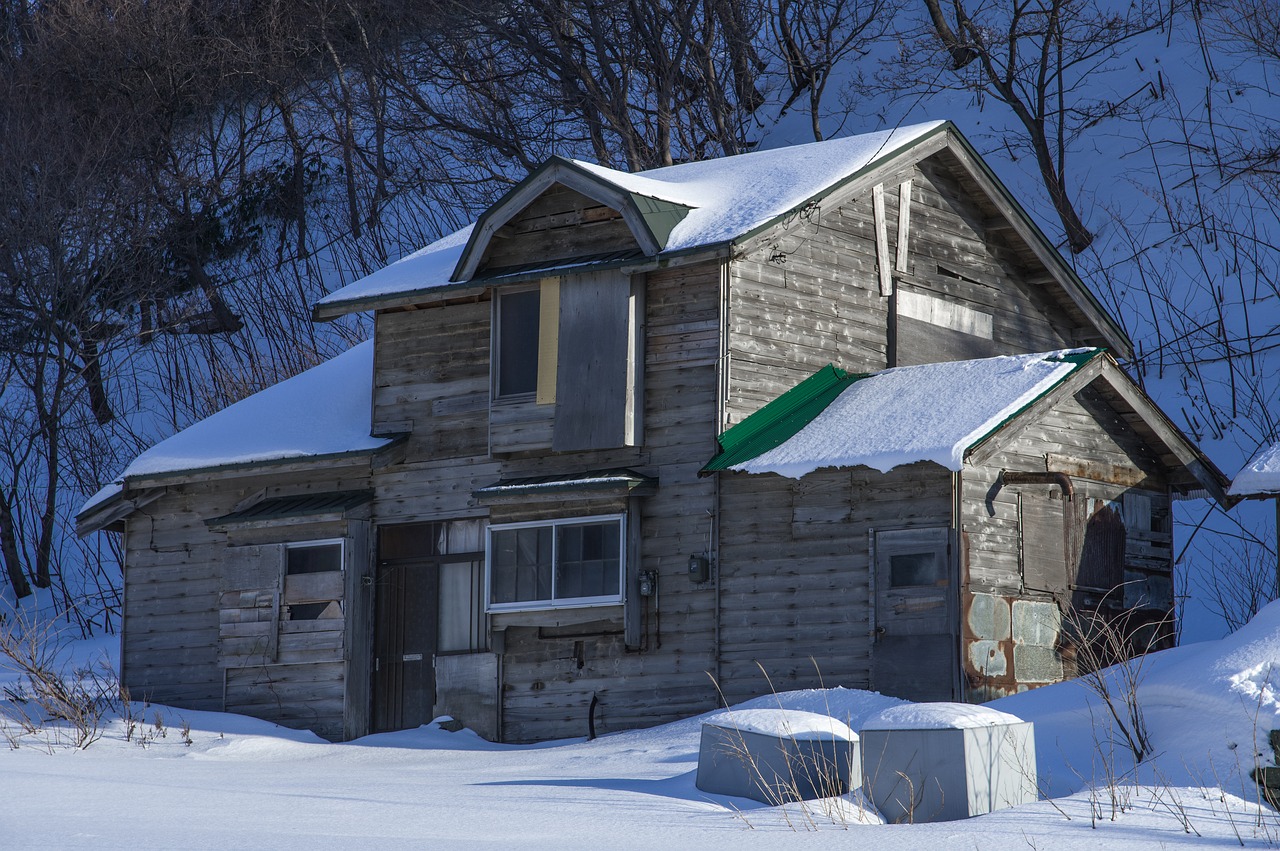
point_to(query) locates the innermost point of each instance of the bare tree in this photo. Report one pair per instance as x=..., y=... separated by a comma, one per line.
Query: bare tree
x=1041, y=59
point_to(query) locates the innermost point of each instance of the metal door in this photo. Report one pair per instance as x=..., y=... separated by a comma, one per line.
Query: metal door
x=914, y=650
x=405, y=626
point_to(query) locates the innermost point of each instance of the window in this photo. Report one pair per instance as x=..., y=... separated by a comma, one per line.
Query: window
x=908, y=570
x=517, y=343
x=556, y=564
x=313, y=580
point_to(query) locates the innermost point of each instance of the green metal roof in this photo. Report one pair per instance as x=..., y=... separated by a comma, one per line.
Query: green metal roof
x=301, y=505
x=778, y=421
x=781, y=419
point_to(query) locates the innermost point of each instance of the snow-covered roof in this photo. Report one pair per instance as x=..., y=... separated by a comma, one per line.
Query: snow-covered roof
x=932, y=412
x=1261, y=475
x=318, y=413
x=728, y=198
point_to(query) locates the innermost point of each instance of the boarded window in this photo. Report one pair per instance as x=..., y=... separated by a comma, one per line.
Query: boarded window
x=313, y=581
x=1101, y=564
x=1043, y=539
x=598, y=363
x=517, y=343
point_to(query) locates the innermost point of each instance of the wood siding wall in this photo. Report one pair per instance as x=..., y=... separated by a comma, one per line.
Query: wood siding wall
x=1006, y=560
x=194, y=632
x=795, y=571
x=809, y=293
x=545, y=694
x=560, y=223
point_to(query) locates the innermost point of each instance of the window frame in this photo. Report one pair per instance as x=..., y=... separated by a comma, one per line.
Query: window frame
x=319, y=542
x=491, y=607
x=495, y=346
x=288, y=608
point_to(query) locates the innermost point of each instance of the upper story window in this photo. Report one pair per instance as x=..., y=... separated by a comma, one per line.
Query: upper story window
x=516, y=343
x=556, y=564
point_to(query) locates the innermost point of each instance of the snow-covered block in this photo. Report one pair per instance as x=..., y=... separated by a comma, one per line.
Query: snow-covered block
x=778, y=755
x=925, y=762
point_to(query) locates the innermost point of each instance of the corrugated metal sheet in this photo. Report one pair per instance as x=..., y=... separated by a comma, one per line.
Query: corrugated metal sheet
x=301, y=505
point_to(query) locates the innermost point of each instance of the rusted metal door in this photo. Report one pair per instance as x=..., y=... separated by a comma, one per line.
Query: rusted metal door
x=915, y=644
x=405, y=629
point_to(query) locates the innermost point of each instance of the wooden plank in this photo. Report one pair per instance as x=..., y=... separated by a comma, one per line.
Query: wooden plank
x=882, y=241
x=313, y=587
x=592, y=382
x=904, y=226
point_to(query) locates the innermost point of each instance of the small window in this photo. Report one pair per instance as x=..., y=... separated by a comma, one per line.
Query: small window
x=461, y=611
x=908, y=570
x=563, y=563
x=314, y=558
x=517, y=343
x=311, y=596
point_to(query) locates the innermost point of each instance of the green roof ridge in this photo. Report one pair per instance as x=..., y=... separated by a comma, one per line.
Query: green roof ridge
x=780, y=420
x=1076, y=357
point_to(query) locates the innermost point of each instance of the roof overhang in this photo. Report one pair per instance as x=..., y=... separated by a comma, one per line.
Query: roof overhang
x=108, y=514
x=1201, y=477
x=596, y=484
x=264, y=511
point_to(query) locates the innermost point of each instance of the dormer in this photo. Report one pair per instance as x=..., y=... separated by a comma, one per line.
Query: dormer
x=566, y=212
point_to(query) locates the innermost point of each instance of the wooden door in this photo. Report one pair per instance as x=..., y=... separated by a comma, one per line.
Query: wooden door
x=914, y=652
x=405, y=625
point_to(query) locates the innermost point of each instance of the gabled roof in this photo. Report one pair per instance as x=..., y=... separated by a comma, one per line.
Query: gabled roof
x=938, y=412
x=322, y=413
x=683, y=208
x=1261, y=476
x=709, y=207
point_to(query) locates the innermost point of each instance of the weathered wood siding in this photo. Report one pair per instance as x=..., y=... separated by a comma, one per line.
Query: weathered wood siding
x=1019, y=539
x=202, y=625
x=544, y=692
x=560, y=223
x=431, y=379
x=809, y=293
x=795, y=571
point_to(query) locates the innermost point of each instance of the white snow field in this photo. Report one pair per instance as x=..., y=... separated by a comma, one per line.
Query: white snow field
x=243, y=783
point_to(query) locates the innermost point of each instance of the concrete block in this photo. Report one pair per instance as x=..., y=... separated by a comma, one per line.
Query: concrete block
x=943, y=773
x=1036, y=623
x=988, y=658
x=774, y=767
x=989, y=617
x=1035, y=664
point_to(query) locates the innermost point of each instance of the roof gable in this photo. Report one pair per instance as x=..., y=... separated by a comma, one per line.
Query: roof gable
x=649, y=218
x=676, y=210
x=948, y=413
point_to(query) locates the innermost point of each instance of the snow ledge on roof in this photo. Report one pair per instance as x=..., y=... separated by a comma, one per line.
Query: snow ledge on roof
x=318, y=413
x=1260, y=476
x=931, y=412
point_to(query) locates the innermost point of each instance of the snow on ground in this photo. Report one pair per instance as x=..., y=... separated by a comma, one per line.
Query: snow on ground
x=241, y=782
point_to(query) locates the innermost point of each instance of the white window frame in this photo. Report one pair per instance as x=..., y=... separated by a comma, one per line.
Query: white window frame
x=569, y=602
x=495, y=346
x=321, y=542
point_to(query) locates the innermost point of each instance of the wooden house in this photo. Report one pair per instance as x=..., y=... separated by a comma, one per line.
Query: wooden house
x=529, y=502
